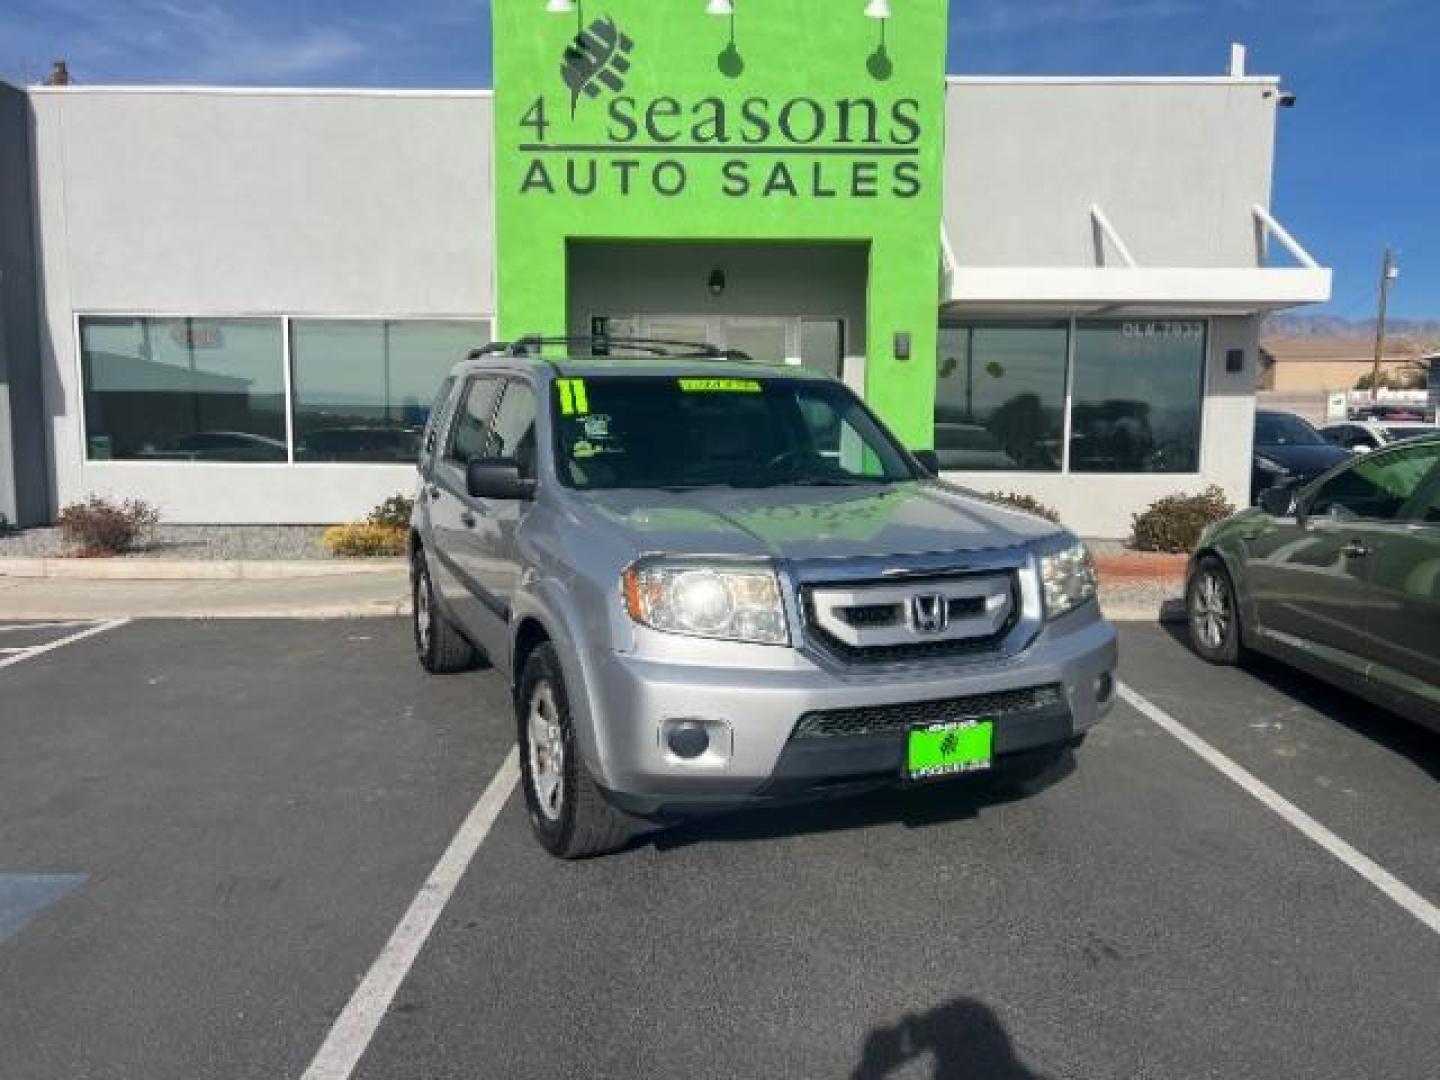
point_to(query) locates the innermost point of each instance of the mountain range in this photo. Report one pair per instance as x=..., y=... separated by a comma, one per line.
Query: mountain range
x=1285, y=325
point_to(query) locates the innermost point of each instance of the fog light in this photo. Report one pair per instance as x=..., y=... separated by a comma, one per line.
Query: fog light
x=688, y=740
x=1104, y=688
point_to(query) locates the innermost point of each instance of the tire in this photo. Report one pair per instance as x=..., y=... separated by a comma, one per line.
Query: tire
x=1212, y=615
x=570, y=816
x=439, y=644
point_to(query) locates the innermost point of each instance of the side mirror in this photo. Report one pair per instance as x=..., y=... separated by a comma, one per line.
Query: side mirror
x=929, y=461
x=497, y=478
x=1279, y=501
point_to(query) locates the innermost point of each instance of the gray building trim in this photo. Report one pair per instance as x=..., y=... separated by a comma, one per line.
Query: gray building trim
x=24, y=487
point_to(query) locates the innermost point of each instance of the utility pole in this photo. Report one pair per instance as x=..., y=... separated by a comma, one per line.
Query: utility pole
x=1388, y=273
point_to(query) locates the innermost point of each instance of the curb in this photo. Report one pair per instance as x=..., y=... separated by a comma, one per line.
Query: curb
x=123, y=569
x=1171, y=612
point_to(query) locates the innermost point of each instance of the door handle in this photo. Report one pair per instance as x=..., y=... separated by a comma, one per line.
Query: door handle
x=1355, y=550
x=467, y=519
x=433, y=490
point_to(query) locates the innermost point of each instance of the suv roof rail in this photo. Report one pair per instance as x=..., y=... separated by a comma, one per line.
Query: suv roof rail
x=660, y=347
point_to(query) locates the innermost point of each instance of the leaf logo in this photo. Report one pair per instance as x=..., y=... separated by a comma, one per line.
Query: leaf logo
x=599, y=56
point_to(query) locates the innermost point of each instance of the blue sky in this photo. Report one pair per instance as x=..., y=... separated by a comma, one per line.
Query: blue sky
x=1358, y=160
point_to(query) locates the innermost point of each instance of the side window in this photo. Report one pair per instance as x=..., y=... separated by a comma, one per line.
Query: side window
x=1378, y=487
x=436, y=416
x=512, y=435
x=472, y=417
x=1430, y=513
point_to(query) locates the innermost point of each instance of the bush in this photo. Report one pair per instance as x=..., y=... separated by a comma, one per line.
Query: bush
x=365, y=539
x=1175, y=522
x=97, y=527
x=394, y=512
x=1028, y=503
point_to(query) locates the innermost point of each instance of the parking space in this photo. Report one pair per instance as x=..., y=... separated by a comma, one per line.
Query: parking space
x=211, y=831
x=23, y=640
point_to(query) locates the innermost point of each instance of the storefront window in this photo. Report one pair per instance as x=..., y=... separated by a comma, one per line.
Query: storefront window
x=183, y=389
x=1137, y=397
x=1000, y=398
x=363, y=389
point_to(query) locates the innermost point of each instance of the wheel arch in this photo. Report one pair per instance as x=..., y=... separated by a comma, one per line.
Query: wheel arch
x=530, y=634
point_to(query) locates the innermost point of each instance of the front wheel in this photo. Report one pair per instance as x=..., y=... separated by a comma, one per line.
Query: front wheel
x=569, y=814
x=1213, y=613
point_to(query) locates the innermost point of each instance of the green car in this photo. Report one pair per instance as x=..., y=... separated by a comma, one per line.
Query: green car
x=1340, y=578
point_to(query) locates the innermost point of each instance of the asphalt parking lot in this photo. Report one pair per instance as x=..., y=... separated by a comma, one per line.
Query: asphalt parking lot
x=209, y=831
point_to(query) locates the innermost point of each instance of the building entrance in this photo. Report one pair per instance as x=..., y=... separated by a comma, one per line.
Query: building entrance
x=816, y=343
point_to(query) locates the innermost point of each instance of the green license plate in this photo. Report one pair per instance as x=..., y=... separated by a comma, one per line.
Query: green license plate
x=950, y=749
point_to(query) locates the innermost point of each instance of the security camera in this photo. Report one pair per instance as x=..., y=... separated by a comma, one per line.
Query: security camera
x=1287, y=100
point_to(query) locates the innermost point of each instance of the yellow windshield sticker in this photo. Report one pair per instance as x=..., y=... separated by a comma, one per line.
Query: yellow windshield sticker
x=573, y=397
x=720, y=386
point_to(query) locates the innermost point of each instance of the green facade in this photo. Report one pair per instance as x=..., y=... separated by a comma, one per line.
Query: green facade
x=806, y=129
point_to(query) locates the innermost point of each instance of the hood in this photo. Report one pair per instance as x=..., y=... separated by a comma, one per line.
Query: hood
x=1305, y=461
x=922, y=517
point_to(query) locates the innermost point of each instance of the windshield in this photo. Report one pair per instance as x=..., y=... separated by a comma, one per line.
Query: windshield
x=678, y=433
x=1283, y=429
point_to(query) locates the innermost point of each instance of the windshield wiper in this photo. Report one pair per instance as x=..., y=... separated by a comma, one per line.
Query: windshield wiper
x=830, y=481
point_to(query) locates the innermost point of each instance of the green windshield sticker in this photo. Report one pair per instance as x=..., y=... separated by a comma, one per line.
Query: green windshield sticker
x=720, y=386
x=573, y=397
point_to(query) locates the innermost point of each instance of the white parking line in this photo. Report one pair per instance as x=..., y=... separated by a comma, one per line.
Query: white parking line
x=45, y=625
x=356, y=1025
x=60, y=643
x=1362, y=864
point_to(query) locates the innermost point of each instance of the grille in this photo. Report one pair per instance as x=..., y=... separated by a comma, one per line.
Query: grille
x=869, y=622
x=872, y=614
x=885, y=719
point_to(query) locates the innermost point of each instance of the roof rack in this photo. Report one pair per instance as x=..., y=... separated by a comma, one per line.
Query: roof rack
x=600, y=346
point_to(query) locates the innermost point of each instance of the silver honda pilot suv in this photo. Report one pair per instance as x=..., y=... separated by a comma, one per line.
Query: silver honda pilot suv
x=714, y=583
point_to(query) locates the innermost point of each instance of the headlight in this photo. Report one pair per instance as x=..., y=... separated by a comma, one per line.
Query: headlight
x=728, y=603
x=1068, y=578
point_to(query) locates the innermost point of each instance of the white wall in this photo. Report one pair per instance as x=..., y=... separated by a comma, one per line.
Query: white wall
x=1176, y=165
x=1101, y=505
x=252, y=202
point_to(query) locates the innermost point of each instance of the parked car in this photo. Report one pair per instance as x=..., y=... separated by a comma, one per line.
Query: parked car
x=714, y=583
x=1340, y=577
x=1288, y=451
x=1362, y=436
x=217, y=446
x=1393, y=413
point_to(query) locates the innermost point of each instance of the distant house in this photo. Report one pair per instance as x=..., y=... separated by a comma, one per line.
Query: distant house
x=1317, y=364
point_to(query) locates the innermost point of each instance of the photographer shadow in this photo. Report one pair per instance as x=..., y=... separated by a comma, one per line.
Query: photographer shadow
x=964, y=1039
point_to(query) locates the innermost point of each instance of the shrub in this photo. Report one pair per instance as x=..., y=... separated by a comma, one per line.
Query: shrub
x=394, y=512
x=1028, y=503
x=365, y=539
x=100, y=527
x=1175, y=522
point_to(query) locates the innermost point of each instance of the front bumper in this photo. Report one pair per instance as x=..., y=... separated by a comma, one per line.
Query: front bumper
x=753, y=711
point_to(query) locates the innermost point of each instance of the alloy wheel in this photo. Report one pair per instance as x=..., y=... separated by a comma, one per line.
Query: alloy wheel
x=423, y=613
x=547, y=752
x=1210, y=612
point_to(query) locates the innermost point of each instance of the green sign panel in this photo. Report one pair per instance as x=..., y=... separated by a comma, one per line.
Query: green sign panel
x=803, y=121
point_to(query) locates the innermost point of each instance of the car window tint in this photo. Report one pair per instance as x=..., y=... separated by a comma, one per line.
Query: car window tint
x=434, y=418
x=1430, y=513
x=512, y=435
x=467, y=436
x=1376, y=488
